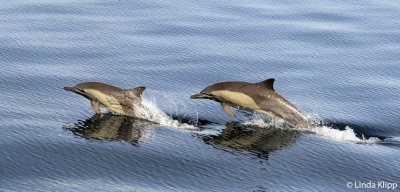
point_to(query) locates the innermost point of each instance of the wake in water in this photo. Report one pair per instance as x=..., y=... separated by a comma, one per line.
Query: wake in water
x=152, y=112
x=319, y=128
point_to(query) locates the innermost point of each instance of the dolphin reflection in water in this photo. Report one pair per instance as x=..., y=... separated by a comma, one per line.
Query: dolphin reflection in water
x=110, y=127
x=257, y=140
x=260, y=141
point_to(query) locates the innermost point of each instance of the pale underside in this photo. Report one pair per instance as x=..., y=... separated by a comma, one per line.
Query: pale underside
x=243, y=101
x=107, y=101
x=237, y=98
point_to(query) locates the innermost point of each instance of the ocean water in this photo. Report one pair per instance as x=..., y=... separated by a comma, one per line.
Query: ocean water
x=337, y=61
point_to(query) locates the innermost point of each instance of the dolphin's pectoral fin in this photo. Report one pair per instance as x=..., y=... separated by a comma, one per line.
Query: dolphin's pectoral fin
x=95, y=106
x=228, y=109
x=135, y=92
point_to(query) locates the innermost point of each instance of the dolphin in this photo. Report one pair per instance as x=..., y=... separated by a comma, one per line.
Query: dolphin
x=256, y=98
x=116, y=100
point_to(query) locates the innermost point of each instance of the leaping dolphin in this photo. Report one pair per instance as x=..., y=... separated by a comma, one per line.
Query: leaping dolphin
x=254, y=97
x=115, y=99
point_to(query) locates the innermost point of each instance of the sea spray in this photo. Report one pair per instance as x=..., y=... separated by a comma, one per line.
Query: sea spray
x=151, y=111
x=319, y=128
x=342, y=135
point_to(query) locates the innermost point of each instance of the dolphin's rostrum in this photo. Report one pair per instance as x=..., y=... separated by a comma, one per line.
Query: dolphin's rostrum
x=254, y=97
x=117, y=100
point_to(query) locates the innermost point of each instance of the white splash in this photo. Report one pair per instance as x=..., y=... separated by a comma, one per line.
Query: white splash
x=150, y=111
x=147, y=134
x=263, y=122
x=347, y=135
x=342, y=135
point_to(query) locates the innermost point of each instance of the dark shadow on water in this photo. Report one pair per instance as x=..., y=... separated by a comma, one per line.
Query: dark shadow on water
x=108, y=127
x=190, y=120
x=257, y=140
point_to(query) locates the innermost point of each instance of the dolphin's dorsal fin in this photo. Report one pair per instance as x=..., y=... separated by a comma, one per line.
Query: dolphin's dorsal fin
x=269, y=83
x=227, y=108
x=135, y=92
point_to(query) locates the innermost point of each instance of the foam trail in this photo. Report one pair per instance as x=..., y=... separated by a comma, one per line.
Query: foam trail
x=342, y=135
x=151, y=112
x=347, y=135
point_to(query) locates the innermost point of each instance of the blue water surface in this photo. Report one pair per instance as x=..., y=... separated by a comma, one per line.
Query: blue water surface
x=335, y=60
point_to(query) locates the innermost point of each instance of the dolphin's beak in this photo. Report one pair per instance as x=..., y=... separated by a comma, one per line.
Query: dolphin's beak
x=75, y=90
x=70, y=89
x=200, y=96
